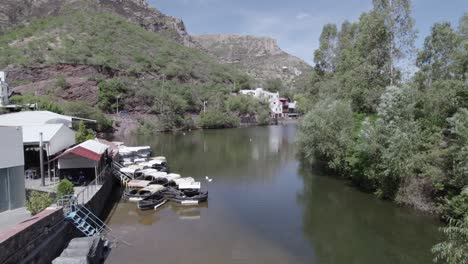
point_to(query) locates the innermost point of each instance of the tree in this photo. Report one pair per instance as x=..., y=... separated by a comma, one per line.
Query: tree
x=454, y=249
x=326, y=133
x=83, y=134
x=109, y=92
x=325, y=56
x=462, y=53
x=399, y=24
x=274, y=85
x=437, y=59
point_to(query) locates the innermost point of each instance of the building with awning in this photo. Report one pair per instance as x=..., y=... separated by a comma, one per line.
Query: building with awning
x=88, y=158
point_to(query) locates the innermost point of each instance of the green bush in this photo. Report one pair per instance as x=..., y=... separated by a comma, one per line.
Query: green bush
x=83, y=134
x=65, y=187
x=62, y=83
x=213, y=118
x=326, y=133
x=457, y=206
x=37, y=202
x=43, y=102
x=109, y=92
x=83, y=110
x=454, y=249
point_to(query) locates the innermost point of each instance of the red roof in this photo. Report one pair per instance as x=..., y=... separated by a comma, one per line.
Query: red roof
x=82, y=152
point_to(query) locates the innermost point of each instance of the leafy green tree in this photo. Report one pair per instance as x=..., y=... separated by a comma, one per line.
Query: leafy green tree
x=274, y=85
x=454, y=249
x=83, y=110
x=437, y=59
x=83, y=134
x=399, y=24
x=325, y=56
x=109, y=92
x=326, y=133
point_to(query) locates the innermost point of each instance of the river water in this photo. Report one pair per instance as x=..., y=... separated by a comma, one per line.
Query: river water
x=265, y=207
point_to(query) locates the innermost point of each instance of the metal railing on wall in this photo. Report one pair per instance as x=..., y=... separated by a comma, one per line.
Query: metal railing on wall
x=89, y=190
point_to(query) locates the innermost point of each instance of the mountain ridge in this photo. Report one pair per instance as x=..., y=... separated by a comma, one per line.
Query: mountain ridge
x=260, y=56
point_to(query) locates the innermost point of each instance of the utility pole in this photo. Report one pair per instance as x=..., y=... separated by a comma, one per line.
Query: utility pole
x=204, y=106
x=118, y=97
x=41, y=158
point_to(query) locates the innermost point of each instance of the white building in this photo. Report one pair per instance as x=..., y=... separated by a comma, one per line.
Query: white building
x=12, y=181
x=3, y=89
x=272, y=98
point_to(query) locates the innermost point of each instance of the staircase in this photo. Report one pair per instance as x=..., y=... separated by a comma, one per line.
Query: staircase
x=85, y=220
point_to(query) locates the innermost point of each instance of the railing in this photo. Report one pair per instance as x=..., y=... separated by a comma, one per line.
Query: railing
x=89, y=190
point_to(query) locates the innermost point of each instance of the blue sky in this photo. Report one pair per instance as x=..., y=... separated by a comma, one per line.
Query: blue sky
x=296, y=24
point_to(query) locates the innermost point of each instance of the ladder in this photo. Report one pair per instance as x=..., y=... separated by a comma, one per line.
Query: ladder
x=85, y=220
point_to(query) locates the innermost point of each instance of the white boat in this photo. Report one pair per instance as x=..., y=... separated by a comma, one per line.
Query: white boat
x=138, y=195
x=172, y=176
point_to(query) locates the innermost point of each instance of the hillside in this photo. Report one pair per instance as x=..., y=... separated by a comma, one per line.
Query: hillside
x=261, y=57
x=21, y=12
x=87, y=49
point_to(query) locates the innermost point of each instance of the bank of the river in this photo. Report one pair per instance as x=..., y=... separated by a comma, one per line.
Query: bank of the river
x=265, y=207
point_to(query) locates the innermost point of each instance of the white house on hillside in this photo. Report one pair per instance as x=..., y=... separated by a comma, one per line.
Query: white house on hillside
x=272, y=98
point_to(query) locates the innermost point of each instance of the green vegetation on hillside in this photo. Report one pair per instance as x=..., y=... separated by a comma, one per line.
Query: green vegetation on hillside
x=108, y=41
x=405, y=141
x=140, y=71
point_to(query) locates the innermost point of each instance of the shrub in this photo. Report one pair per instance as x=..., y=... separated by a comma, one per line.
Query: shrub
x=83, y=110
x=65, y=187
x=218, y=119
x=109, y=92
x=83, y=134
x=62, y=83
x=37, y=202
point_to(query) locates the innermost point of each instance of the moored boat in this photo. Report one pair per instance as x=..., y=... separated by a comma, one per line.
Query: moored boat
x=152, y=202
x=135, y=195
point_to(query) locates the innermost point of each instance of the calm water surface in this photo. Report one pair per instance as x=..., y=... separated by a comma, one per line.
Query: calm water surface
x=265, y=207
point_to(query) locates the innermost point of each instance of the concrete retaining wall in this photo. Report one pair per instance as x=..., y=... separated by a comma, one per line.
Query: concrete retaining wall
x=43, y=237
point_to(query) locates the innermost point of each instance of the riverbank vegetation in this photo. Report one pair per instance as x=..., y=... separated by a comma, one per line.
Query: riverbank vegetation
x=401, y=136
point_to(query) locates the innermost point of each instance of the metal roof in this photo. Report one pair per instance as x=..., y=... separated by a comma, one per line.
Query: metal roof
x=90, y=149
x=27, y=118
x=94, y=146
x=31, y=133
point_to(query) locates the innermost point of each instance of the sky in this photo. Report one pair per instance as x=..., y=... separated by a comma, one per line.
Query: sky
x=295, y=24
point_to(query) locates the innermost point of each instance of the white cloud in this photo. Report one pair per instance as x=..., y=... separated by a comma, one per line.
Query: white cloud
x=302, y=15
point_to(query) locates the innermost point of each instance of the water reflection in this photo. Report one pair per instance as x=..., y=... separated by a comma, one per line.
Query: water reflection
x=347, y=226
x=264, y=207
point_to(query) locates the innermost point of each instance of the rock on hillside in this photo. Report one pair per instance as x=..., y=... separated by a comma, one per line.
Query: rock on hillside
x=17, y=12
x=261, y=57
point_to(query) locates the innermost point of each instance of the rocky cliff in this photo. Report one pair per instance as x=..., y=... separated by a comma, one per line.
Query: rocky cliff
x=261, y=57
x=18, y=12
